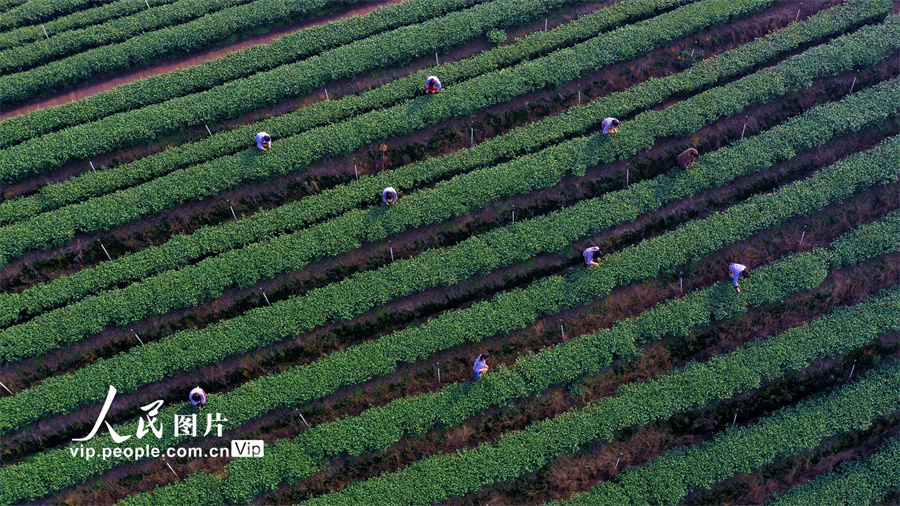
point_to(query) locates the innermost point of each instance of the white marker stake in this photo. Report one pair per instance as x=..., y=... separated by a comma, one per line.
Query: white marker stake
x=207, y=129
x=853, y=83
x=355, y=171
x=545, y=24
x=692, y=52
x=92, y=166
x=104, y=249
x=472, y=137
x=392, y=253
x=7, y=389
x=232, y=211
x=514, y=216
x=326, y=94
x=744, y=130
x=851, y=371
x=735, y=419
x=798, y=16
x=170, y=467
x=137, y=336
x=301, y=417
x=617, y=461
x=45, y=31
x=627, y=176
x=267, y=298
x=436, y=59
x=579, y=97
x=148, y=3
x=801, y=237
x=681, y=285
x=439, y=371
x=561, y=331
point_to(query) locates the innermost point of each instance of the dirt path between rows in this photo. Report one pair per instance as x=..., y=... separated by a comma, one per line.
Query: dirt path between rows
x=106, y=83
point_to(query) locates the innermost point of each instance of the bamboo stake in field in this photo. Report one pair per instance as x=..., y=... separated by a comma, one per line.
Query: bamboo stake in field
x=137, y=336
x=170, y=467
x=265, y=297
x=7, y=389
x=851, y=371
x=104, y=249
x=301, y=417
x=356, y=171
x=45, y=31
x=232, y=210
x=92, y=166
x=853, y=83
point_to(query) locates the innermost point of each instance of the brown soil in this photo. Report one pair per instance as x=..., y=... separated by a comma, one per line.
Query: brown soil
x=235, y=301
x=437, y=299
x=424, y=369
x=106, y=83
x=509, y=351
x=38, y=267
x=785, y=474
x=334, y=90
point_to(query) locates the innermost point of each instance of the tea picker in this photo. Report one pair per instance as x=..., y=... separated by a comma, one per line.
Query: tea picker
x=734, y=271
x=687, y=157
x=610, y=125
x=389, y=195
x=198, y=397
x=590, y=255
x=263, y=141
x=480, y=366
x=432, y=85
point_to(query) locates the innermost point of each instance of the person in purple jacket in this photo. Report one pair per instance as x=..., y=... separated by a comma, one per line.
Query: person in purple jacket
x=590, y=255
x=480, y=366
x=198, y=397
x=735, y=271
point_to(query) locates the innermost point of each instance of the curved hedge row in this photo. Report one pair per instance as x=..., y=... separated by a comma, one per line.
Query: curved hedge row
x=439, y=477
x=76, y=20
x=461, y=195
x=504, y=313
x=669, y=478
x=72, y=42
x=296, y=153
x=263, y=326
x=237, y=65
x=183, y=249
x=854, y=483
x=321, y=113
x=378, y=428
